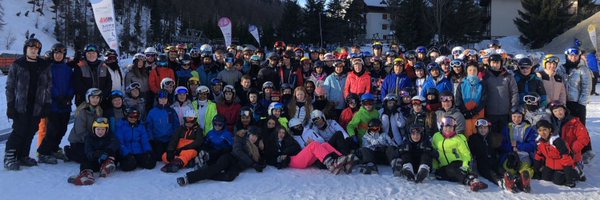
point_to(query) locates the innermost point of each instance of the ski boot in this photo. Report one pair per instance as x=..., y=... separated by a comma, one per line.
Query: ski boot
x=422, y=173
x=47, y=159
x=85, y=177
x=10, y=160
x=107, y=168
x=396, y=167
x=407, y=171
x=508, y=183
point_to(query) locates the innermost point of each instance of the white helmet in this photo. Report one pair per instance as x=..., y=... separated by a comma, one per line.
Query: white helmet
x=457, y=50
x=92, y=92
x=139, y=56
x=202, y=89
x=316, y=113
x=294, y=122
x=206, y=48
x=441, y=59
x=520, y=56
x=150, y=50
x=165, y=81
x=189, y=113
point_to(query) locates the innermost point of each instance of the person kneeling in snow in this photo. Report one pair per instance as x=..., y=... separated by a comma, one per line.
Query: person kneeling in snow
x=245, y=154
x=377, y=147
x=184, y=144
x=416, y=152
x=553, y=161
x=454, y=156
x=100, y=151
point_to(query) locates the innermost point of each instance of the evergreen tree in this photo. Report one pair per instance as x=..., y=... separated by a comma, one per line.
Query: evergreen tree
x=462, y=22
x=355, y=15
x=290, y=28
x=542, y=20
x=411, y=20
x=313, y=14
x=585, y=9
x=336, y=27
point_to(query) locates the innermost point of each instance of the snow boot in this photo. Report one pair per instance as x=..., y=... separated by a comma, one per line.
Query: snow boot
x=335, y=164
x=588, y=156
x=47, y=159
x=107, y=168
x=422, y=173
x=283, y=161
x=173, y=166
x=508, y=183
x=475, y=184
x=407, y=171
x=396, y=167
x=349, y=165
x=182, y=181
x=27, y=162
x=10, y=160
x=60, y=155
x=526, y=182
x=580, y=174
x=85, y=177
x=201, y=159
x=369, y=168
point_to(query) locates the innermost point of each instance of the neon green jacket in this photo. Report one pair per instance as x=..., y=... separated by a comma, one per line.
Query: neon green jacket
x=360, y=122
x=451, y=149
x=211, y=112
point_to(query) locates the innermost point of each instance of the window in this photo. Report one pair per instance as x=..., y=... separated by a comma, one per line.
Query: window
x=384, y=16
x=384, y=26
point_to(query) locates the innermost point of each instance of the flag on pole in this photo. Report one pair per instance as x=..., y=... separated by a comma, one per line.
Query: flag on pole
x=104, y=15
x=225, y=25
x=254, y=31
x=592, y=32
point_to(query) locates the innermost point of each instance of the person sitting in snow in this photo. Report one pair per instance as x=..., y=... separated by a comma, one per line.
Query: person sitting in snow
x=416, y=155
x=101, y=149
x=377, y=148
x=161, y=124
x=217, y=143
x=517, y=151
x=184, y=144
x=553, y=160
x=136, y=150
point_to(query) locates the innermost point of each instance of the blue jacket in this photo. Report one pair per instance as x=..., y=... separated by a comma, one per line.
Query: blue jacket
x=334, y=84
x=161, y=123
x=393, y=83
x=62, y=87
x=531, y=83
x=206, y=75
x=133, y=138
x=527, y=145
x=442, y=85
x=592, y=62
x=219, y=140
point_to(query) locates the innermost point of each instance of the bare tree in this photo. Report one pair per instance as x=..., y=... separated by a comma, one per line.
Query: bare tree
x=9, y=40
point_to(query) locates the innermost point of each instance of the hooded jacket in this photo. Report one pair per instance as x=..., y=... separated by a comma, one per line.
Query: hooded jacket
x=17, y=86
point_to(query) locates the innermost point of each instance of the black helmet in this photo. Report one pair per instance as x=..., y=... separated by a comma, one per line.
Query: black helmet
x=375, y=123
x=187, y=59
x=110, y=52
x=354, y=97
x=59, y=47
x=132, y=112
x=162, y=60
x=32, y=42
x=496, y=57
x=219, y=118
x=525, y=62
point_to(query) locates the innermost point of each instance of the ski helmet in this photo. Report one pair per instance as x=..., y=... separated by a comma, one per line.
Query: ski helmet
x=32, y=42
x=100, y=122
x=150, y=51
x=92, y=92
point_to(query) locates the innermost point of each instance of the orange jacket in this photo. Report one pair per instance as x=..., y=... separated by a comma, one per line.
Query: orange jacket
x=157, y=75
x=554, y=153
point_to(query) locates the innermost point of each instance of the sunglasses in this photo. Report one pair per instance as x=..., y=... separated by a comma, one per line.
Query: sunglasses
x=482, y=122
x=416, y=130
x=151, y=55
x=111, y=58
x=375, y=129
x=133, y=115
x=525, y=67
x=404, y=94
x=530, y=99
x=60, y=51
x=446, y=98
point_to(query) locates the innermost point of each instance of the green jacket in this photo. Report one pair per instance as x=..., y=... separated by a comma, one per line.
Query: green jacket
x=211, y=112
x=451, y=149
x=360, y=122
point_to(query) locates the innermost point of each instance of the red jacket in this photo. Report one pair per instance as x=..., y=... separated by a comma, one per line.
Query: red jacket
x=231, y=112
x=157, y=75
x=576, y=136
x=346, y=117
x=357, y=84
x=555, y=154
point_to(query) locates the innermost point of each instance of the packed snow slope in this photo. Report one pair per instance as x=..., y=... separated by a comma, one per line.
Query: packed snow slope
x=580, y=31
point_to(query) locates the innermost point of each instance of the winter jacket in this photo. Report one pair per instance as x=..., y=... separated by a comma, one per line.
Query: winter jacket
x=301, y=113
x=408, y=149
x=393, y=83
x=292, y=76
x=207, y=116
x=502, y=92
x=454, y=113
x=268, y=73
x=18, y=88
x=161, y=123
x=207, y=73
x=114, y=116
x=451, y=149
x=230, y=76
x=575, y=135
x=157, y=75
x=555, y=154
x=231, y=112
x=360, y=122
x=393, y=126
x=91, y=75
x=471, y=96
x=346, y=117
x=533, y=117
x=375, y=141
x=357, y=84
x=442, y=84
x=482, y=151
x=134, y=138
x=139, y=77
x=62, y=87
x=115, y=76
x=421, y=119
x=330, y=129
x=592, y=62
x=554, y=86
x=95, y=146
x=219, y=140
x=334, y=85
x=531, y=83
x=578, y=82
x=317, y=79
x=183, y=75
x=180, y=109
x=84, y=118
x=242, y=152
x=525, y=140
x=189, y=137
x=275, y=147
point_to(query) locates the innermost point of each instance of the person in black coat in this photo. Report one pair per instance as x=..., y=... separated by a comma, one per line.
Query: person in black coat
x=486, y=157
x=92, y=73
x=280, y=147
x=416, y=152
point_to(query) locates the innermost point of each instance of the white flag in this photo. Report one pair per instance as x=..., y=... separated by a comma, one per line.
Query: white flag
x=104, y=14
x=592, y=32
x=254, y=31
x=225, y=25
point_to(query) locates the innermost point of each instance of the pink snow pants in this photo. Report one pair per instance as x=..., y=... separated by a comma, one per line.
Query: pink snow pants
x=311, y=153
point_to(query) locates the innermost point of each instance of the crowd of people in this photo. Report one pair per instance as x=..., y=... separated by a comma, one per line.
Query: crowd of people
x=456, y=115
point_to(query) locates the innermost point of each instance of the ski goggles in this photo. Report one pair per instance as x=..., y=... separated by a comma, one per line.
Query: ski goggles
x=456, y=63
x=215, y=81
x=134, y=85
x=530, y=99
x=193, y=82
x=61, y=50
x=448, y=121
x=133, y=115
x=553, y=59
x=91, y=48
x=218, y=124
x=35, y=44
x=367, y=103
x=316, y=119
x=169, y=83
x=245, y=113
x=375, y=128
x=186, y=62
x=446, y=98
x=421, y=50
x=572, y=51
x=181, y=90
x=482, y=122
x=416, y=102
x=151, y=55
x=404, y=94
x=102, y=120
x=416, y=130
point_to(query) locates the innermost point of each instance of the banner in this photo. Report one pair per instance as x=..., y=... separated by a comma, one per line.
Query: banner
x=254, y=31
x=104, y=14
x=592, y=32
x=225, y=25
